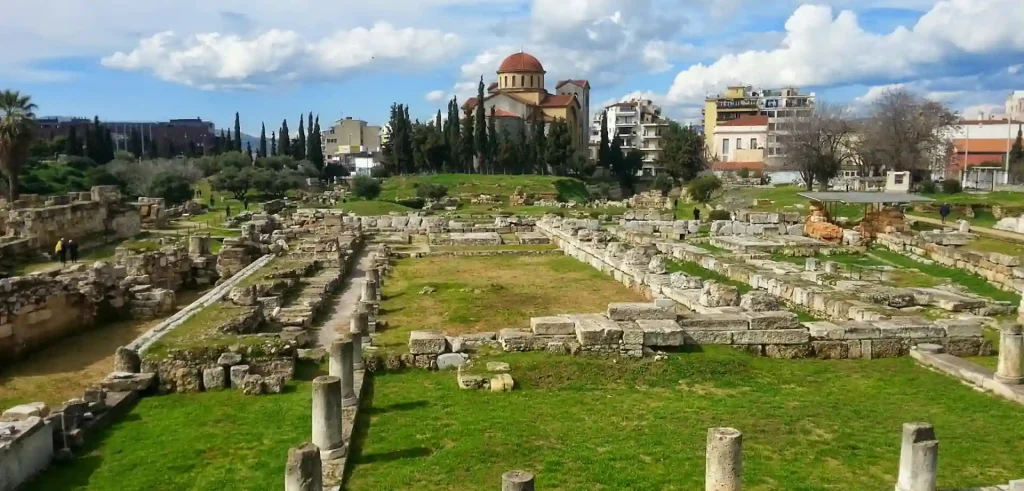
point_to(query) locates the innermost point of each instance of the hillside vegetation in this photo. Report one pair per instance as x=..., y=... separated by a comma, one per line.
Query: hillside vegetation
x=471, y=185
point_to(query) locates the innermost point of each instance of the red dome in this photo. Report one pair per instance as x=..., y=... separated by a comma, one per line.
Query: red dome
x=521, y=62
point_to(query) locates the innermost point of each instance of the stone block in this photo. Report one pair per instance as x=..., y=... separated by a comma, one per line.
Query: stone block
x=596, y=329
x=498, y=366
x=213, y=378
x=22, y=412
x=631, y=311
x=715, y=322
x=252, y=385
x=451, y=360
x=859, y=330
x=966, y=346
x=784, y=336
x=502, y=383
x=273, y=384
x=238, y=374
x=661, y=333
x=427, y=343
x=229, y=359
x=707, y=337
x=788, y=352
x=715, y=294
x=468, y=380
x=887, y=348
x=824, y=330
x=127, y=382
x=831, y=350
x=631, y=334
x=760, y=301
x=773, y=320
x=556, y=325
x=426, y=362
x=961, y=328
x=908, y=328
x=517, y=340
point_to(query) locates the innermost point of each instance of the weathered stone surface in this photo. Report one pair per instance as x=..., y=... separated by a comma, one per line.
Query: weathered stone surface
x=517, y=340
x=426, y=362
x=831, y=350
x=126, y=360
x=661, y=333
x=451, y=360
x=22, y=412
x=556, y=325
x=682, y=281
x=183, y=380
x=502, y=383
x=228, y=359
x=961, y=327
x=427, y=343
x=498, y=366
x=964, y=347
x=596, y=329
x=469, y=380
x=252, y=385
x=708, y=337
x=273, y=384
x=631, y=311
x=715, y=322
x=214, y=379
x=760, y=301
x=786, y=336
x=715, y=294
x=773, y=320
x=658, y=264
x=238, y=374
x=887, y=348
x=127, y=382
x=791, y=351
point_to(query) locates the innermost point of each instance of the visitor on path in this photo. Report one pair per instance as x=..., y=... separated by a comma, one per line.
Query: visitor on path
x=227, y=212
x=61, y=251
x=944, y=211
x=73, y=250
x=245, y=203
x=696, y=214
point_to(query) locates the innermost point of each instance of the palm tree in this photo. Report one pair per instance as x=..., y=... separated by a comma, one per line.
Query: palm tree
x=16, y=128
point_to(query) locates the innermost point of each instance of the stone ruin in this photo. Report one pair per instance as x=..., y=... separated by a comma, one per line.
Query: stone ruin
x=652, y=200
x=519, y=198
x=819, y=225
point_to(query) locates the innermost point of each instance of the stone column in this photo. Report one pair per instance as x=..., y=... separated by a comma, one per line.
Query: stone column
x=357, y=326
x=811, y=264
x=344, y=347
x=913, y=433
x=831, y=267
x=328, y=435
x=723, y=468
x=126, y=360
x=369, y=291
x=924, y=462
x=303, y=470
x=373, y=275
x=1011, y=351
x=517, y=481
x=1017, y=485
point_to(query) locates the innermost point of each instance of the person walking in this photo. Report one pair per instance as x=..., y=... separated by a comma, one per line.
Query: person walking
x=944, y=211
x=73, y=250
x=696, y=214
x=61, y=251
x=245, y=202
x=227, y=211
x=211, y=202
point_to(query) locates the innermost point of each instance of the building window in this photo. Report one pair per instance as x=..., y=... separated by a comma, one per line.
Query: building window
x=513, y=80
x=739, y=144
x=753, y=143
x=771, y=126
x=522, y=80
x=898, y=178
x=531, y=80
x=725, y=146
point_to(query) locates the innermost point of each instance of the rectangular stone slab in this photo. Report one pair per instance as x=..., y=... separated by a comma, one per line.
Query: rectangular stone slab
x=662, y=332
x=783, y=336
x=773, y=320
x=632, y=311
x=555, y=325
x=427, y=343
x=596, y=329
x=715, y=322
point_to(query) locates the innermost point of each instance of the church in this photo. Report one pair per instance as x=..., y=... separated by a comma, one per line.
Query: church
x=519, y=96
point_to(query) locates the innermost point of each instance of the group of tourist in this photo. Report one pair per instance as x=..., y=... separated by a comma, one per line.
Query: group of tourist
x=65, y=249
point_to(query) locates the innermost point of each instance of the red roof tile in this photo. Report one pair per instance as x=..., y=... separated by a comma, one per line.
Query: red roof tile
x=493, y=87
x=747, y=121
x=469, y=104
x=580, y=82
x=521, y=62
x=982, y=145
x=501, y=113
x=557, y=100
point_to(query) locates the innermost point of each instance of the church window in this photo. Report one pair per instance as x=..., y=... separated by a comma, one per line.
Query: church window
x=513, y=80
x=522, y=80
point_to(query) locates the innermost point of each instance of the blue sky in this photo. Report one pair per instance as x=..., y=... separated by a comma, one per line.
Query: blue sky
x=163, y=59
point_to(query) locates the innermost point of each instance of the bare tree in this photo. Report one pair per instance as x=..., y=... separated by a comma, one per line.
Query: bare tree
x=817, y=144
x=904, y=132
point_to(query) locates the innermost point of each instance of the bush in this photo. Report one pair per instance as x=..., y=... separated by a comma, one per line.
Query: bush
x=662, y=183
x=951, y=186
x=703, y=188
x=414, y=203
x=365, y=187
x=174, y=188
x=928, y=186
x=743, y=173
x=719, y=215
x=431, y=191
x=379, y=172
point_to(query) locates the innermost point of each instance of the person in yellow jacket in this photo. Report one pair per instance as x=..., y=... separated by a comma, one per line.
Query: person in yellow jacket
x=62, y=251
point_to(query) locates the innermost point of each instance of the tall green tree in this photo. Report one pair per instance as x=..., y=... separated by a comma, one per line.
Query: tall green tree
x=284, y=147
x=17, y=126
x=1017, y=156
x=263, y=140
x=134, y=144
x=238, y=134
x=480, y=129
x=317, y=148
x=683, y=155
x=299, y=152
x=524, y=152
x=273, y=144
x=310, y=137
x=493, y=140
x=72, y=146
x=559, y=150
x=539, y=142
x=602, y=151
x=248, y=150
x=467, y=149
x=507, y=156
x=454, y=136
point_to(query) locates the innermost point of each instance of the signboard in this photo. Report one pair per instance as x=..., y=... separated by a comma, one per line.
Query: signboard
x=736, y=103
x=771, y=103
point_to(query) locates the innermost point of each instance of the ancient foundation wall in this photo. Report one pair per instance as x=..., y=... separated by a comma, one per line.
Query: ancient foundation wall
x=1001, y=270
x=80, y=216
x=25, y=452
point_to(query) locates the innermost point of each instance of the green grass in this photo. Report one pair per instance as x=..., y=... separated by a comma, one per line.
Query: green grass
x=784, y=198
x=588, y=423
x=471, y=185
x=968, y=281
x=988, y=244
x=210, y=441
x=503, y=247
x=694, y=269
x=489, y=293
x=99, y=253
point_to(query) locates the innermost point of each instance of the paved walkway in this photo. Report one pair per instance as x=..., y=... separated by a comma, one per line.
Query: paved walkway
x=346, y=302
x=991, y=232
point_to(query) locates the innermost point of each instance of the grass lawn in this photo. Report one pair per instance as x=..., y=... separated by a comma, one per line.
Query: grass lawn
x=88, y=256
x=784, y=198
x=694, y=269
x=467, y=185
x=988, y=244
x=480, y=294
x=968, y=281
x=589, y=423
x=65, y=369
x=210, y=441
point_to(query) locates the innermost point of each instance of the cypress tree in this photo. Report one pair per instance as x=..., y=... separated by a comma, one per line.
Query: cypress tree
x=539, y=144
x=108, y=147
x=523, y=166
x=285, y=147
x=468, y=152
x=602, y=151
x=300, y=149
x=134, y=144
x=72, y=146
x=480, y=128
x=273, y=143
x=317, y=146
x=454, y=136
x=492, y=142
x=238, y=134
x=310, y=138
x=263, y=140
x=248, y=150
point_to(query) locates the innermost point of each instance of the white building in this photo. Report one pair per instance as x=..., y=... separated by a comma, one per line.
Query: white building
x=1015, y=105
x=740, y=140
x=980, y=149
x=638, y=125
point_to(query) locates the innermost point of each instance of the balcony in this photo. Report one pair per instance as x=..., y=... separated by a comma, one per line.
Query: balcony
x=625, y=122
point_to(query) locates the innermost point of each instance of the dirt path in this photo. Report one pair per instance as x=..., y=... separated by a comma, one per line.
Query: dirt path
x=991, y=232
x=346, y=302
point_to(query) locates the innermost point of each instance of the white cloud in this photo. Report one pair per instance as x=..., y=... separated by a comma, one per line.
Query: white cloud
x=823, y=49
x=657, y=54
x=212, y=60
x=435, y=96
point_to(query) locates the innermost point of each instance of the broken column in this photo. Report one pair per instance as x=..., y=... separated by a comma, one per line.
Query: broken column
x=918, y=458
x=327, y=424
x=517, y=481
x=303, y=470
x=370, y=295
x=723, y=467
x=811, y=264
x=357, y=328
x=1011, y=351
x=341, y=366
x=373, y=275
x=831, y=267
x=126, y=360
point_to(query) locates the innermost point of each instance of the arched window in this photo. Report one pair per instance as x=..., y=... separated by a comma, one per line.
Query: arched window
x=506, y=81
x=531, y=81
x=513, y=80
x=522, y=80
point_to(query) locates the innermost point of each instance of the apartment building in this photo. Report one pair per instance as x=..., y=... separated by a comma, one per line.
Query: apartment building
x=1015, y=105
x=780, y=106
x=179, y=132
x=349, y=138
x=740, y=140
x=637, y=124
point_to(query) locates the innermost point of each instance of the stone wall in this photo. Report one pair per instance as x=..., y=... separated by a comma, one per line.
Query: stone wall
x=78, y=216
x=1001, y=270
x=26, y=448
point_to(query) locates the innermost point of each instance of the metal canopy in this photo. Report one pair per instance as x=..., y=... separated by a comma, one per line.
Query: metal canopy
x=864, y=197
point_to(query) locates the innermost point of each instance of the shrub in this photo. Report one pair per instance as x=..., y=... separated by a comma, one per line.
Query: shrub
x=414, y=203
x=172, y=187
x=431, y=191
x=928, y=186
x=743, y=173
x=663, y=184
x=951, y=186
x=719, y=215
x=379, y=172
x=702, y=188
x=366, y=187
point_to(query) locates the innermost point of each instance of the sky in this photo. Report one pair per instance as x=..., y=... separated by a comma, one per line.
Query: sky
x=270, y=60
